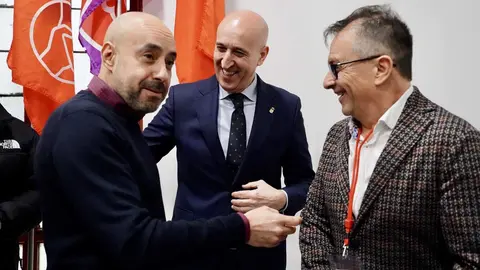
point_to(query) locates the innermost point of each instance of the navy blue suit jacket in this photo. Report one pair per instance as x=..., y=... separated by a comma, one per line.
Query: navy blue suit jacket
x=188, y=120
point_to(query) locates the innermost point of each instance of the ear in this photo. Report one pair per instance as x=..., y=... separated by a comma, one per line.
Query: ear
x=263, y=55
x=385, y=67
x=108, y=55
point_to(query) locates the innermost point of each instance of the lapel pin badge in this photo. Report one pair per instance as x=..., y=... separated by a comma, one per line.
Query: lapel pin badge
x=272, y=109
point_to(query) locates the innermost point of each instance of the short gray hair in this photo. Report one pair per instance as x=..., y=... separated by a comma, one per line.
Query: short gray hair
x=379, y=30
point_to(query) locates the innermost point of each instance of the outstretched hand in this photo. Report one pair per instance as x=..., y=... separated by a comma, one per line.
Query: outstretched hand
x=268, y=228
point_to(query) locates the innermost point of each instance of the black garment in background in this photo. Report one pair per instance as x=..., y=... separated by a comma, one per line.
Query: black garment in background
x=19, y=201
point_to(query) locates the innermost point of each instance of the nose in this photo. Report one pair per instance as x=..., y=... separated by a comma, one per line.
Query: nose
x=227, y=61
x=162, y=73
x=329, y=81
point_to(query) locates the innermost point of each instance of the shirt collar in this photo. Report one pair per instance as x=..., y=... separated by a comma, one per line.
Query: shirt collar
x=250, y=92
x=104, y=92
x=391, y=116
x=109, y=96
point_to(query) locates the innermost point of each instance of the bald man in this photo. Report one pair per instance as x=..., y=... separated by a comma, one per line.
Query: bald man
x=234, y=134
x=99, y=184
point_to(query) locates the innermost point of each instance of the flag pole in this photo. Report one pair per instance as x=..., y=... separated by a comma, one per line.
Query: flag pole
x=119, y=7
x=136, y=5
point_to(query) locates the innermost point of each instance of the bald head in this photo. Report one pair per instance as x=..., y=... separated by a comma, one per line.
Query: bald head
x=248, y=23
x=241, y=47
x=134, y=23
x=138, y=54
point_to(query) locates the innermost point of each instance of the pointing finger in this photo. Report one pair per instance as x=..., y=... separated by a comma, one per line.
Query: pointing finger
x=291, y=221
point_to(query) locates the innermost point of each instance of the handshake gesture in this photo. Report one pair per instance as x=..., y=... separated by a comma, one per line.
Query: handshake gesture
x=268, y=228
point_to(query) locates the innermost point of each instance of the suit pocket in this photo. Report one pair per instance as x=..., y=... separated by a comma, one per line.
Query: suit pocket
x=182, y=214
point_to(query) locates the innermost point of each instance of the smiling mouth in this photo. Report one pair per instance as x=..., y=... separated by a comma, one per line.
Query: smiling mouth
x=228, y=73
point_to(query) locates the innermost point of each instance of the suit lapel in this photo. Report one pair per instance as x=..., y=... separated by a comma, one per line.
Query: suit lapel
x=409, y=129
x=343, y=155
x=263, y=117
x=207, y=111
x=261, y=123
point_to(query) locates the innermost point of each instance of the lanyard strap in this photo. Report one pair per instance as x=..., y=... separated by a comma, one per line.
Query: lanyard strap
x=356, y=162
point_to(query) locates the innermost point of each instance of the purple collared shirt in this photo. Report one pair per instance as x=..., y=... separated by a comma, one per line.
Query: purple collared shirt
x=106, y=94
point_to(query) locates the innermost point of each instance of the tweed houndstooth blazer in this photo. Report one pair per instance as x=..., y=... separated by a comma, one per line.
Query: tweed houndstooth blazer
x=421, y=209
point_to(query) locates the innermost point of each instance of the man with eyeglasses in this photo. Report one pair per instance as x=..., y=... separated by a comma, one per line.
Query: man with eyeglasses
x=398, y=182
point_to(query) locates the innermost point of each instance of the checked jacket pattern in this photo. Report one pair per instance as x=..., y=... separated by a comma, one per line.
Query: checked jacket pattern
x=421, y=209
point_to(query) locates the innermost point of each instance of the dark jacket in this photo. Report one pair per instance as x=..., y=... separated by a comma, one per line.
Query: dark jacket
x=19, y=201
x=421, y=207
x=101, y=196
x=188, y=121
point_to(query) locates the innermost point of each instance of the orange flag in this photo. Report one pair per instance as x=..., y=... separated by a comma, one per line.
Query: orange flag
x=196, y=25
x=41, y=56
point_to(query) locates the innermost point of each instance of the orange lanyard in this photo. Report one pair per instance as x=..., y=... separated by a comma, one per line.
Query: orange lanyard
x=356, y=162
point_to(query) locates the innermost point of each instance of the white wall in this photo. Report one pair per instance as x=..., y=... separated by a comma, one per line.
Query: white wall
x=446, y=62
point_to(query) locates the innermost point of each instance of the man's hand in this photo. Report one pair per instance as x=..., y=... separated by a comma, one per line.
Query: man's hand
x=260, y=194
x=268, y=228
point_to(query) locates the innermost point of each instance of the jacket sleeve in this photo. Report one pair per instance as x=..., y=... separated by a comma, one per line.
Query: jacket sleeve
x=297, y=166
x=315, y=236
x=315, y=233
x=22, y=213
x=94, y=175
x=159, y=133
x=460, y=201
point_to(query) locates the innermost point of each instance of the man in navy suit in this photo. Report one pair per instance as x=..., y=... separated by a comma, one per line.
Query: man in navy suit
x=99, y=185
x=234, y=134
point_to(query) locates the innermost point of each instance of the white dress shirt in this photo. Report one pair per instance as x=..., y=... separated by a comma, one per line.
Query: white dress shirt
x=224, y=117
x=226, y=108
x=372, y=149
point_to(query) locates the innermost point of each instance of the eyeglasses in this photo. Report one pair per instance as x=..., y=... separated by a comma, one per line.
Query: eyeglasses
x=334, y=67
